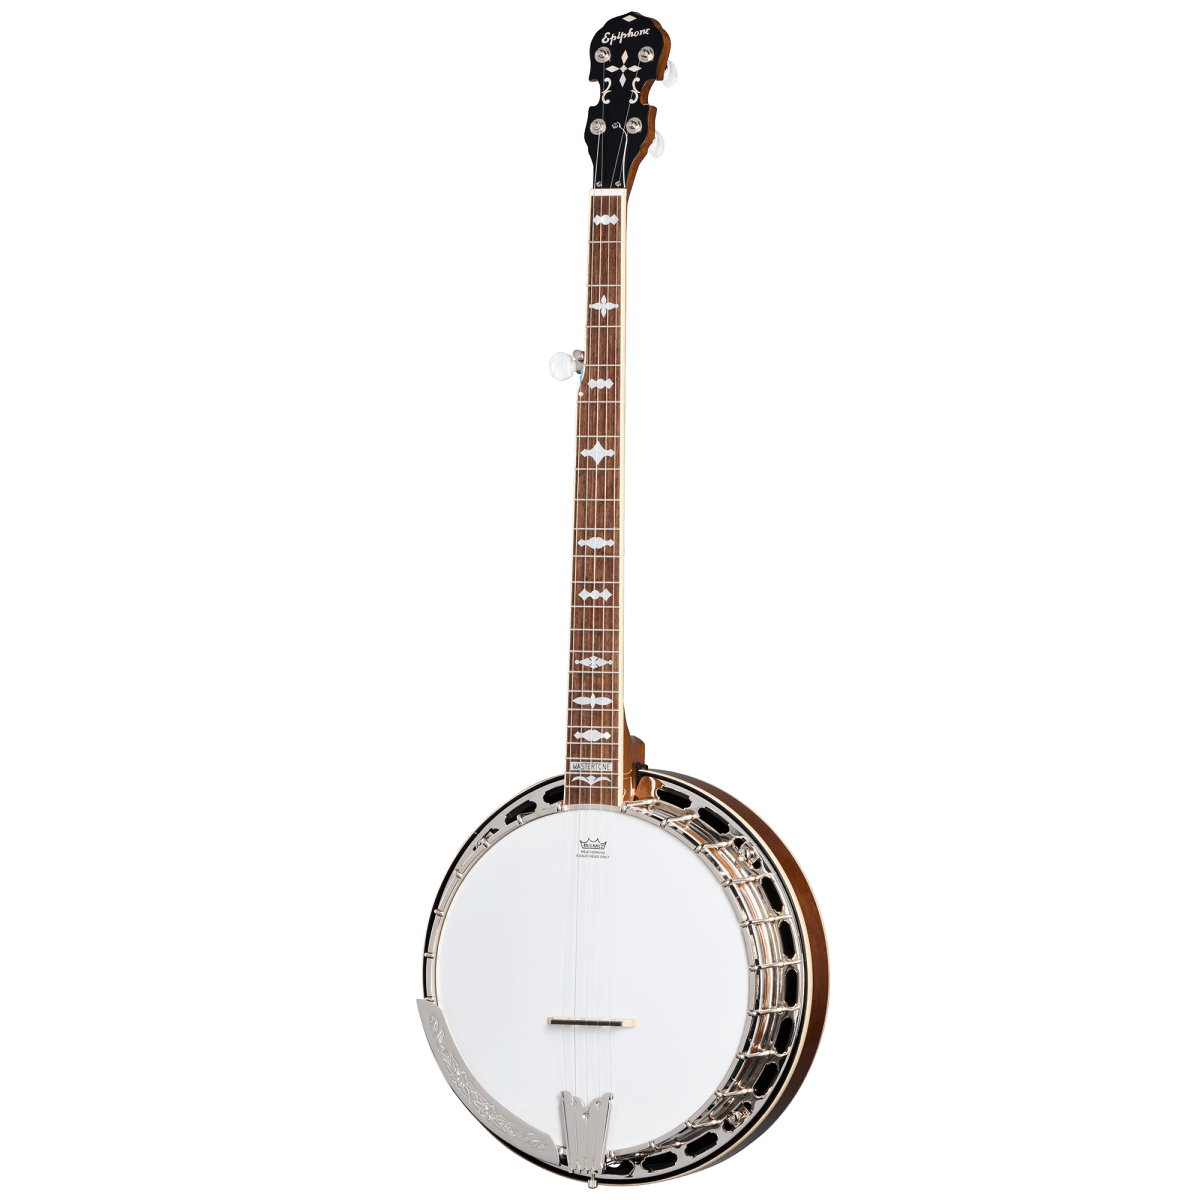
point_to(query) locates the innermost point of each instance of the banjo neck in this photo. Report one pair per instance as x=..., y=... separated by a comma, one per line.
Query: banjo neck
x=599, y=767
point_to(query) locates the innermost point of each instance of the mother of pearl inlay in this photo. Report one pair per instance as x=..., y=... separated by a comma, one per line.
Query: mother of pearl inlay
x=597, y=452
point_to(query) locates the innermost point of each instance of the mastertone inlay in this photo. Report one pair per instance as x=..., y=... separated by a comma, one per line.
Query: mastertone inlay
x=597, y=452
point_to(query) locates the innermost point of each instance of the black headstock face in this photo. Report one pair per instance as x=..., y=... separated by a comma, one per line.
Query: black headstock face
x=626, y=57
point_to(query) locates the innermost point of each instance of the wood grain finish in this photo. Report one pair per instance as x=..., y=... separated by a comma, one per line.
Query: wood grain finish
x=818, y=954
x=651, y=111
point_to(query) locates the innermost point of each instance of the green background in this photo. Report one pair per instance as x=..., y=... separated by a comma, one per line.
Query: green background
x=911, y=561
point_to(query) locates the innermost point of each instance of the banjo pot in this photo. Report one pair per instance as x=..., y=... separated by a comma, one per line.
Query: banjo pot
x=624, y=975
x=715, y=949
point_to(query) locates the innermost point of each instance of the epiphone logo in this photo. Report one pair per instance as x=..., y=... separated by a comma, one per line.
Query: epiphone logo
x=609, y=38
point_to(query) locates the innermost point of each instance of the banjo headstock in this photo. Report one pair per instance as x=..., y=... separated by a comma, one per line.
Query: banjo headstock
x=627, y=55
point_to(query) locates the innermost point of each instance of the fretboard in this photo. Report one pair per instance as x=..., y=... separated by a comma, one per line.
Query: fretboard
x=595, y=750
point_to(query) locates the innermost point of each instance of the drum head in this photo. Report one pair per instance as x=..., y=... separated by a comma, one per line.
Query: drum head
x=595, y=914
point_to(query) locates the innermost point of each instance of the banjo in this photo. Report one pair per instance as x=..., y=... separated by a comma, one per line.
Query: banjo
x=624, y=972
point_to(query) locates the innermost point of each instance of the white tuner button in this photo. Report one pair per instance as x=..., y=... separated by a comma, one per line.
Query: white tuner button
x=670, y=76
x=562, y=366
x=657, y=146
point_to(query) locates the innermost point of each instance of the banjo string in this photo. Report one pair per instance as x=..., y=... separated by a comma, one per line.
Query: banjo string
x=597, y=424
x=612, y=492
x=590, y=951
x=598, y=491
x=587, y=491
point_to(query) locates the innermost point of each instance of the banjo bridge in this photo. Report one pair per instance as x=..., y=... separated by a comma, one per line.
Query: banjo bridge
x=616, y=1023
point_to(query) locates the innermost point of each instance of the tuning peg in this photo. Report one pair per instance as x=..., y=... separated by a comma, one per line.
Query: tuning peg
x=563, y=365
x=657, y=146
x=670, y=76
